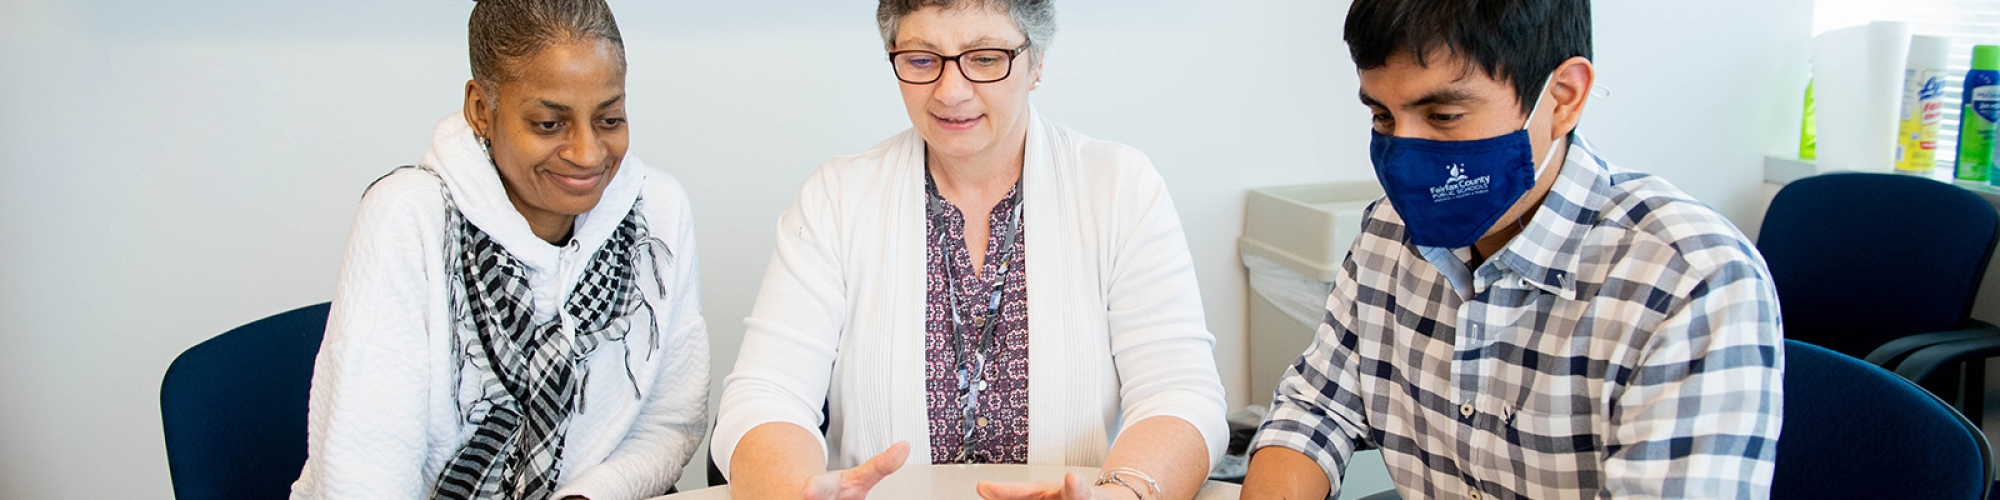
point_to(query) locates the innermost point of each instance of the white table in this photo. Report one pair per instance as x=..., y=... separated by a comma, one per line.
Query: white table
x=952, y=482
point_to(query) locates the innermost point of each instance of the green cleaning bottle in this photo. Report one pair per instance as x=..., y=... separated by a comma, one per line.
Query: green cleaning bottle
x=1978, y=116
x=1809, y=129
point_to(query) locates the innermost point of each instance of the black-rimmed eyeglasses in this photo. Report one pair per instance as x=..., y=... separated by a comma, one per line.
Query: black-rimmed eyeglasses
x=921, y=67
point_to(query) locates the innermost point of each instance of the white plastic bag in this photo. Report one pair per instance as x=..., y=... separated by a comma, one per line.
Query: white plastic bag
x=1299, y=297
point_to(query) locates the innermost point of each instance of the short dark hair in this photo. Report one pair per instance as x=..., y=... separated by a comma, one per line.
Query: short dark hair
x=502, y=32
x=1515, y=41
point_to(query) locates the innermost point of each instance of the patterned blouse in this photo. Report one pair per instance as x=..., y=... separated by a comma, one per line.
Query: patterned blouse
x=1001, y=430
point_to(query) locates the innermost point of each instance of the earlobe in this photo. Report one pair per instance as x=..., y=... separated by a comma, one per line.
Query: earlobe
x=1036, y=58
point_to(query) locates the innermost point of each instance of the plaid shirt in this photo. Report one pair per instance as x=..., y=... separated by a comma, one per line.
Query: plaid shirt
x=1626, y=344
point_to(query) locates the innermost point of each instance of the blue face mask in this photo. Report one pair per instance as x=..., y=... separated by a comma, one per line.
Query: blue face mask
x=1450, y=192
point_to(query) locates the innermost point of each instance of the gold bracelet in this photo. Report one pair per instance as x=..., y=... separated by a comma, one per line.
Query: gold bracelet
x=1117, y=476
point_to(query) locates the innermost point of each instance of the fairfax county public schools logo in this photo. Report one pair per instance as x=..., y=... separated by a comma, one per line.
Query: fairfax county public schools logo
x=1458, y=185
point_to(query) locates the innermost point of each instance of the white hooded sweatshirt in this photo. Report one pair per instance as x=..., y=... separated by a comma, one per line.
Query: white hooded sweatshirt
x=391, y=394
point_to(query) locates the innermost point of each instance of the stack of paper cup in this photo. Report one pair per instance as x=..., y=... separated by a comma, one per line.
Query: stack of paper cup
x=1858, y=84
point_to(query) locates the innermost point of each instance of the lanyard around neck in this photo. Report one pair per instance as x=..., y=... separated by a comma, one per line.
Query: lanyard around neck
x=971, y=373
x=1009, y=240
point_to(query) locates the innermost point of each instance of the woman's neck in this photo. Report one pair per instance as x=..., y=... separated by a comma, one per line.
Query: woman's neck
x=551, y=227
x=555, y=230
x=979, y=177
x=975, y=185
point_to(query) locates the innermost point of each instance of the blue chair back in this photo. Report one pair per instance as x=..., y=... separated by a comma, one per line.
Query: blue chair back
x=1855, y=430
x=1862, y=259
x=234, y=408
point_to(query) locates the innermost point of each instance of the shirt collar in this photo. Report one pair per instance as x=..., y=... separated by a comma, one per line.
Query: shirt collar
x=1545, y=254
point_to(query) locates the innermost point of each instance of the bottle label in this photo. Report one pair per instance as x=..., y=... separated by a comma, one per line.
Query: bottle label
x=1986, y=102
x=1975, y=134
x=1932, y=98
x=1922, y=116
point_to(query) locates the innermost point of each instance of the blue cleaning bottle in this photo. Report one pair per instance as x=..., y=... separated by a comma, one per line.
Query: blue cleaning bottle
x=1978, y=117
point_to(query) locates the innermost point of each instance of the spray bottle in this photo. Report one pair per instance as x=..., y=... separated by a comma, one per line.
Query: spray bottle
x=1923, y=104
x=1980, y=111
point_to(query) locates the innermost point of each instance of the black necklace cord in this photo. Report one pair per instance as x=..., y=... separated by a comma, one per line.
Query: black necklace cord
x=971, y=376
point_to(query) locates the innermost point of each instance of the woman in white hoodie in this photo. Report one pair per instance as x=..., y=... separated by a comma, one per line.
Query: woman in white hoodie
x=517, y=315
x=986, y=287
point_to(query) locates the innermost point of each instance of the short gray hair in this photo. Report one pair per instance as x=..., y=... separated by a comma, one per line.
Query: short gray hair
x=1035, y=18
x=502, y=32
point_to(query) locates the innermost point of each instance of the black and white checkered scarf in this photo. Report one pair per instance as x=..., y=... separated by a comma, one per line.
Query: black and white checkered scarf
x=531, y=375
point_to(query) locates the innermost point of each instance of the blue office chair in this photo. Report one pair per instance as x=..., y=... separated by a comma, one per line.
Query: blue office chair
x=1854, y=430
x=234, y=408
x=1881, y=267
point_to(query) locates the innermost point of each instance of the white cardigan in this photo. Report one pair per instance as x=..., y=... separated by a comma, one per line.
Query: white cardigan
x=1114, y=317
x=383, y=419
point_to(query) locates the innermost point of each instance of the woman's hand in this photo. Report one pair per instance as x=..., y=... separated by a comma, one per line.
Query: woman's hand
x=853, y=484
x=1070, y=488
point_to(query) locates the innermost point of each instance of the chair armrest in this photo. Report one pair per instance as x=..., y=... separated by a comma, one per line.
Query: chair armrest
x=1893, y=353
x=714, y=473
x=1922, y=363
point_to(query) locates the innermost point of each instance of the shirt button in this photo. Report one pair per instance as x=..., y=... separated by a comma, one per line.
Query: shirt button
x=1465, y=409
x=981, y=422
x=1475, y=495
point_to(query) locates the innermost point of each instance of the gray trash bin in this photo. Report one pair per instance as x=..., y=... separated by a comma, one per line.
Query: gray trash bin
x=1294, y=239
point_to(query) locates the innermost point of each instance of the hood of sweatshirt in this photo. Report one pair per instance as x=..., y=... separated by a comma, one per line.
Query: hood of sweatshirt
x=474, y=183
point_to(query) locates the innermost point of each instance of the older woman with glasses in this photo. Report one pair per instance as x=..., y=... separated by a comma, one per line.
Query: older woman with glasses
x=986, y=287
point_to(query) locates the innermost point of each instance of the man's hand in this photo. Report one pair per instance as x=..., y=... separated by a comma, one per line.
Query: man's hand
x=1070, y=488
x=853, y=484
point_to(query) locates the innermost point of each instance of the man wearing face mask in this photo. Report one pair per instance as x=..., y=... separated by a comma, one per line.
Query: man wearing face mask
x=1523, y=319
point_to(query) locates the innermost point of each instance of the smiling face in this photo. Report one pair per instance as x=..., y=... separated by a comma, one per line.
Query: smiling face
x=557, y=131
x=957, y=118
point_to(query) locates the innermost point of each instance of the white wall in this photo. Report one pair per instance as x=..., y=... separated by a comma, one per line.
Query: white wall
x=169, y=170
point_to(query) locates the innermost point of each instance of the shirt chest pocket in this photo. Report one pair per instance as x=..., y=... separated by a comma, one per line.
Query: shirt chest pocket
x=1542, y=454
